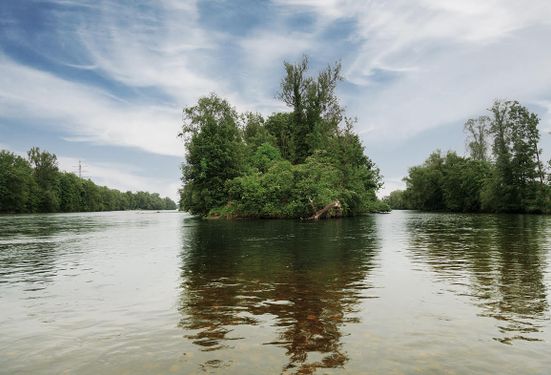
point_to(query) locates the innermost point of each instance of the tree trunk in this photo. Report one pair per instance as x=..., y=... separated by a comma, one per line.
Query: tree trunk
x=324, y=210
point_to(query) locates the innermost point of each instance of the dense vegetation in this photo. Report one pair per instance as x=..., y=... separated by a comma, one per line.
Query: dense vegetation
x=36, y=184
x=291, y=164
x=503, y=172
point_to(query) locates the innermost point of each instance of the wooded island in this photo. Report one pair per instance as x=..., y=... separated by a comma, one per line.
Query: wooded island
x=306, y=163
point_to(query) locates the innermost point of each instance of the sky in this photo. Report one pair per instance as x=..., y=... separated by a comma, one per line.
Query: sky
x=105, y=82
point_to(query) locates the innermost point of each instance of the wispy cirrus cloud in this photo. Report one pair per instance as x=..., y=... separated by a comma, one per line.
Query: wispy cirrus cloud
x=422, y=64
x=158, y=46
x=89, y=113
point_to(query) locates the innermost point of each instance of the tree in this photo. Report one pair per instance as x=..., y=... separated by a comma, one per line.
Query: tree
x=17, y=186
x=215, y=153
x=293, y=93
x=316, y=108
x=511, y=180
x=396, y=200
x=424, y=184
x=477, y=137
x=71, y=189
x=518, y=167
x=462, y=182
x=280, y=125
x=46, y=174
x=36, y=185
x=359, y=177
x=526, y=166
x=255, y=133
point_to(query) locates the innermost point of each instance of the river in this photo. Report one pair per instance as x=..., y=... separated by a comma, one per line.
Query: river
x=161, y=293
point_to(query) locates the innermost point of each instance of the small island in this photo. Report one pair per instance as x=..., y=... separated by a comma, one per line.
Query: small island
x=306, y=163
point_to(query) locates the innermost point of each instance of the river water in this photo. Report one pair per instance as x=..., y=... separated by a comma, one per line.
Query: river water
x=162, y=293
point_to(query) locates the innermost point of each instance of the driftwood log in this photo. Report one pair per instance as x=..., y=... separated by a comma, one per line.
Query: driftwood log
x=333, y=205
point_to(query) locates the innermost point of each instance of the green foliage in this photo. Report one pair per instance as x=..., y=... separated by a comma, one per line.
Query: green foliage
x=280, y=126
x=424, y=184
x=359, y=176
x=70, y=188
x=37, y=185
x=462, y=182
x=511, y=179
x=255, y=132
x=285, y=190
x=281, y=189
x=477, y=137
x=215, y=151
x=264, y=156
x=316, y=108
x=289, y=165
x=18, y=188
x=518, y=182
x=46, y=175
x=396, y=200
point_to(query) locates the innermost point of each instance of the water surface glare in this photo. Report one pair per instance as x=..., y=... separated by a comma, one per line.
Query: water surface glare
x=161, y=293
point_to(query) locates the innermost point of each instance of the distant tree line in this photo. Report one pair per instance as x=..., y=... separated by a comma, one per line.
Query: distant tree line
x=301, y=163
x=503, y=172
x=35, y=184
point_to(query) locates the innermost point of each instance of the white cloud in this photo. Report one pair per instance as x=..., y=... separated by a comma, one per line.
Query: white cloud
x=160, y=47
x=546, y=121
x=87, y=112
x=264, y=53
x=391, y=184
x=453, y=86
x=331, y=9
x=446, y=60
x=162, y=52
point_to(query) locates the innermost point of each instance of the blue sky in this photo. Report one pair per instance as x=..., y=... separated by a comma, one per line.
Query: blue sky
x=105, y=81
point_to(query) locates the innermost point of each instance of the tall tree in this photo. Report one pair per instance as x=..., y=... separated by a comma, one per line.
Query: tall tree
x=359, y=176
x=478, y=137
x=517, y=158
x=526, y=165
x=316, y=108
x=17, y=186
x=215, y=153
x=280, y=125
x=46, y=175
x=424, y=184
x=293, y=93
x=70, y=186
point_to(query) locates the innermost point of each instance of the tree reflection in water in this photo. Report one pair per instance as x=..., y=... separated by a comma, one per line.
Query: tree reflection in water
x=308, y=276
x=500, y=259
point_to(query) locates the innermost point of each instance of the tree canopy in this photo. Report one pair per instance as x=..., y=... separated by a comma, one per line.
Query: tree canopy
x=502, y=173
x=290, y=164
x=36, y=184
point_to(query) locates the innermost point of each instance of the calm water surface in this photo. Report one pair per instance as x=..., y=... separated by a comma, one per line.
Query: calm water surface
x=161, y=293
